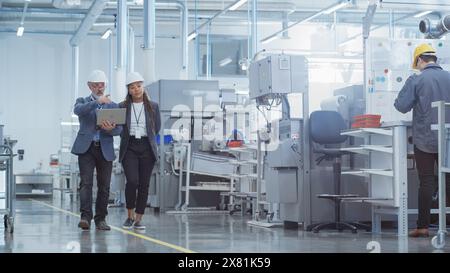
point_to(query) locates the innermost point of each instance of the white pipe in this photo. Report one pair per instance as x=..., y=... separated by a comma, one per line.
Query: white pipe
x=149, y=41
x=75, y=71
x=184, y=42
x=111, y=63
x=94, y=12
x=254, y=28
x=149, y=24
x=130, y=66
x=122, y=23
x=149, y=54
x=208, y=52
x=24, y=12
x=121, y=50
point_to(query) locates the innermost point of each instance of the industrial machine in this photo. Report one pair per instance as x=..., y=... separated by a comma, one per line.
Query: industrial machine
x=192, y=170
x=286, y=141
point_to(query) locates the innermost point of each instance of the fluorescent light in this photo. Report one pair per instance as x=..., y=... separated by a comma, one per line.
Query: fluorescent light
x=420, y=14
x=336, y=7
x=106, y=34
x=237, y=5
x=269, y=39
x=192, y=36
x=20, y=31
x=225, y=61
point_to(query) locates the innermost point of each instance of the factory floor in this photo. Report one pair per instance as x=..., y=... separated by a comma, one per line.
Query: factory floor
x=50, y=225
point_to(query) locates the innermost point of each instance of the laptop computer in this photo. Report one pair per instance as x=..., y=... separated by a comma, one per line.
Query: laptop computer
x=116, y=115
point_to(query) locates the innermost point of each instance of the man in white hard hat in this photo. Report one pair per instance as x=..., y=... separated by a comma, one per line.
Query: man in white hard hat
x=94, y=147
x=419, y=91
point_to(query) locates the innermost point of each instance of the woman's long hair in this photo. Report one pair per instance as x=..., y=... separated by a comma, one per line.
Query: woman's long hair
x=147, y=105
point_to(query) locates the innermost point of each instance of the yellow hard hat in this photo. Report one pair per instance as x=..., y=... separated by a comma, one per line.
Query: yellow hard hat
x=420, y=50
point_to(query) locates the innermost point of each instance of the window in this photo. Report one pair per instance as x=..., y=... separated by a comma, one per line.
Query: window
x=228, y=55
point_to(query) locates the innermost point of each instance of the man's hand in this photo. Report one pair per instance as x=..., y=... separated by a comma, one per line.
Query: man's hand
x=104, y=100
x=107, y=126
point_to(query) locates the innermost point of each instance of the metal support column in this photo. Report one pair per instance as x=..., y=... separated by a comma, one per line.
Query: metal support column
x=401, y=177
x=160, y=189
x=438, y=241
x=367, y=22
x=306, y=161
x=188, y=177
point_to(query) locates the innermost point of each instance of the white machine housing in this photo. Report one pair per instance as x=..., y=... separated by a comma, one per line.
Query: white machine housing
x=388, y=66
x=280, y=74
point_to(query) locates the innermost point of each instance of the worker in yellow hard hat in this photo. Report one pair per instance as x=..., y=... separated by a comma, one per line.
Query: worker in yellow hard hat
x=419, y=91
x=423, y=52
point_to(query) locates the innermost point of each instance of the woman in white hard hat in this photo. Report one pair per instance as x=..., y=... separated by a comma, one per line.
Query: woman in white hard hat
x=138, y=150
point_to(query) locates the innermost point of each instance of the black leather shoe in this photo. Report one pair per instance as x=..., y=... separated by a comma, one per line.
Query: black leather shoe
x=101, y=225
x=84, y=224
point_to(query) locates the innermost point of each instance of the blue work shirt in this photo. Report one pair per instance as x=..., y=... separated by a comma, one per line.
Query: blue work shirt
x=419, y=91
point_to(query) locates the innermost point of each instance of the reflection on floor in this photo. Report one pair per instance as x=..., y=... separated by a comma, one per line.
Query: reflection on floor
x=50, y=227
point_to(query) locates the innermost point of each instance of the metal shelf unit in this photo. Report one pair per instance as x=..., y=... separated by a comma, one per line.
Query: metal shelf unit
x=387, y=172
x=34, y=184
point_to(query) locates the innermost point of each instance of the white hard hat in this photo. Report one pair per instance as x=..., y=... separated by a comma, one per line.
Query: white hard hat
x=97, y=76
x=134, y=77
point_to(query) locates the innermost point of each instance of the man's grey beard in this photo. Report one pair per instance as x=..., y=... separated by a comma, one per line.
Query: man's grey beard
x=95, y=96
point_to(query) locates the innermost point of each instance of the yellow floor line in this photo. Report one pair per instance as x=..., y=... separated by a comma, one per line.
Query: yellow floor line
x=156, y=241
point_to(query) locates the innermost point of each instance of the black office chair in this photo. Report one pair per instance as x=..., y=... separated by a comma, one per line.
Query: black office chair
x=325, y=129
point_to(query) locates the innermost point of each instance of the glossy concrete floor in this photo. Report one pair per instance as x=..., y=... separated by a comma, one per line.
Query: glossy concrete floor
x=50, y=225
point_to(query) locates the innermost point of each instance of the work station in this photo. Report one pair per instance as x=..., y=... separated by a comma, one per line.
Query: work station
x=224, y=126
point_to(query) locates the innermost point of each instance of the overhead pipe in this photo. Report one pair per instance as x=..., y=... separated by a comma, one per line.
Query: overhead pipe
x=135, y=15
x=182, y=6
x=121, y=49
x=285, y=24
x=254, y=33
x=150, y=34
x=433, y=29
x=75, y=71
x=62, y=4
x=184, y=41
x=326, y=10
x=209, y=21
x=184, y=10
x=131, y=35
x=94, y=12
x=149, y=40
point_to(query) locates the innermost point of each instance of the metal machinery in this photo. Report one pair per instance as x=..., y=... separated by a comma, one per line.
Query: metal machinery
x=189, y=161
x=438, y=240
x=7, y=185
x=285, y=141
